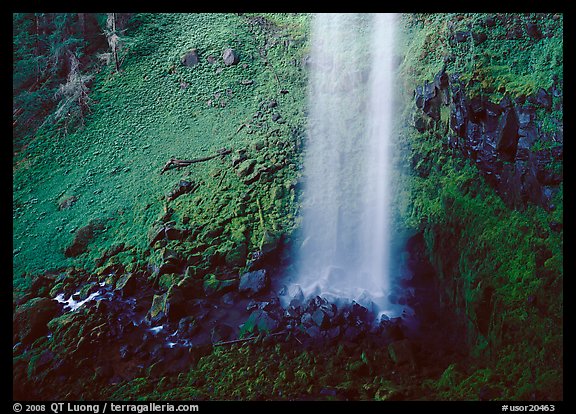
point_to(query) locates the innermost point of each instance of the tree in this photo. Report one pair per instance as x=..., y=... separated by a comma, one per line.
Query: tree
x=74, y=101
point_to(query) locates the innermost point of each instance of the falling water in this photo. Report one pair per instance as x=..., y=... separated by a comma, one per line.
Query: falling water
x=345, y=252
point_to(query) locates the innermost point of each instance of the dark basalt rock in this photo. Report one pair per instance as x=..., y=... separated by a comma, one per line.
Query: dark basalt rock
x=533, y=31
x=230, y=57
x=191, y=58
x=183, y=187
x=252, y=283
x=460, y=37
x=507, y=135
x=479, y=38
x=543, y=99
x=493, y=134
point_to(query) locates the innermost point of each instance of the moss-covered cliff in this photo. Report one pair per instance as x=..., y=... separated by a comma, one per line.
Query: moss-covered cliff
x=96, y=215
x=486, y=189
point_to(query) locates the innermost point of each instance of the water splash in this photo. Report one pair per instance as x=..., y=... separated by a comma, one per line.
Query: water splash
x=73, y=304
x=345, y=254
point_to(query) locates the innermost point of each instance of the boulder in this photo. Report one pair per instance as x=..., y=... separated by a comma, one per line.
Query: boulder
x=479, y=38
x=296, y=295
x=42, y=284
x=533, y=31
x=215, y=287
x=176, y=304
x=183, y=187
x=507, y=135
x=321, y=319
x=156, y=233
x=230, y=57
x=252, y=283
x=460, y=37
x=30, y=320
x=259, y=321
x=127, y=284
x=245, y=168
x=187, y=327
x=191, y=58
x=543, y=99
x=158, y=308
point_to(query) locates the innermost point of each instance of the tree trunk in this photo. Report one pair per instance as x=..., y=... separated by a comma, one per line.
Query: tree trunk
x=82, y=23
x=115, y=43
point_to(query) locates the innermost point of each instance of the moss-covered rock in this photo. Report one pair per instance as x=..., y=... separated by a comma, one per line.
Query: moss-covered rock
x=30, y=320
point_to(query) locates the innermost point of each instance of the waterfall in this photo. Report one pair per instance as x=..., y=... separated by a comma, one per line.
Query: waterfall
x=345, y=211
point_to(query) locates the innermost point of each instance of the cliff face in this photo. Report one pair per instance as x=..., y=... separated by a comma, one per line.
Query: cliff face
x=136, y=259
x=487, y=130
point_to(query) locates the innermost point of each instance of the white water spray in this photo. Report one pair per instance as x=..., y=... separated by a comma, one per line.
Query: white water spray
x=345, y=253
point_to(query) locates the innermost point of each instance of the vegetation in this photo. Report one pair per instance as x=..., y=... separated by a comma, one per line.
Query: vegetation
x=102, y=102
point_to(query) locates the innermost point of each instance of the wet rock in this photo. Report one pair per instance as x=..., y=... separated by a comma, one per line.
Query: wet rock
x=314, y=332
x=321, y=319
x=260, y=321
x=252, y=283
x=191, y=58
x=187, y=327
x=359, y=313
x=306, y=319
x=315, y=303
x=230, y=57
x=30, y=320
x=329, y=309
x=176, y=303
x=432, y=101
x=296, y=295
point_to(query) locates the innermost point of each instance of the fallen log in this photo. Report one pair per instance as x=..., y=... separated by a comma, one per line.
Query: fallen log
x=250, y=338
x=177, y=163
